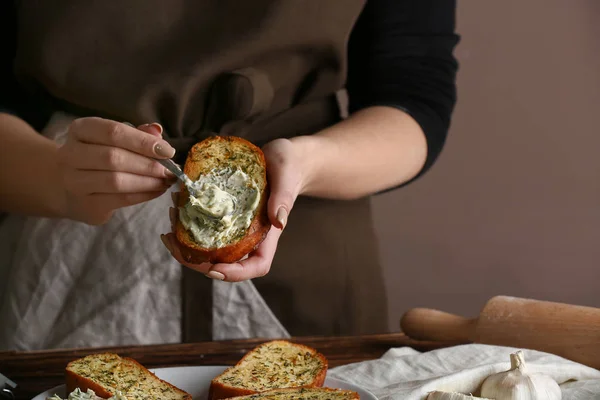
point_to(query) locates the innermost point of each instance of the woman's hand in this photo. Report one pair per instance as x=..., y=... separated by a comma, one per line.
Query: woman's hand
x=106, y=165
x=287, y=174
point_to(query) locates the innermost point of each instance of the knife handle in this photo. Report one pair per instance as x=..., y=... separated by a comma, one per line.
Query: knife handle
x=174, y=168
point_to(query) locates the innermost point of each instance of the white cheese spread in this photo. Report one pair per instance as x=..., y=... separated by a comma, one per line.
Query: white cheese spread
x=77, y=394
x=223, y=209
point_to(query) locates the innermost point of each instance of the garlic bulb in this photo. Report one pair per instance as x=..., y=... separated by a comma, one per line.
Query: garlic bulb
x=437, y=395
x=516, y=384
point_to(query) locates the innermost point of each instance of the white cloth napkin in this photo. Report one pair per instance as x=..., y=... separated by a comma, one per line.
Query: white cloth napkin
x=404, y=373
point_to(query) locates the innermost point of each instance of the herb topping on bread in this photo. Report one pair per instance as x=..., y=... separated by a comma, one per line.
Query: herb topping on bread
x=224, y=168
x=107, y=374
x=273, y=365
x=302, y=394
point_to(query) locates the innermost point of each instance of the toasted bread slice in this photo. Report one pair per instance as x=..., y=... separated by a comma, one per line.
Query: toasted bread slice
x=276, y=364
x=107, y=373
x=219, y=153
x=321, y=393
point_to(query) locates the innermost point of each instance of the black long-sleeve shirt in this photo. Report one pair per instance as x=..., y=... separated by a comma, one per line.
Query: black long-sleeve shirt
x=400, y=54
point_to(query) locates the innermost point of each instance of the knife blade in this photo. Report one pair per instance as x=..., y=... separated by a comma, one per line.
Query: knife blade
x=6, y=387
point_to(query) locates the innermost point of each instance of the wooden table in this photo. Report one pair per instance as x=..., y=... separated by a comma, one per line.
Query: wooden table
x=36, y=372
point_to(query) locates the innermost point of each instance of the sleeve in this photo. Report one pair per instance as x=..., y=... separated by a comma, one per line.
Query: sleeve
x=400, y=54
x=7, y=52
x=13, y=99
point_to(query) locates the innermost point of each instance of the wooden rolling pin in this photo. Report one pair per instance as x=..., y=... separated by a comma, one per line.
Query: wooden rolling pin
x=569, y=331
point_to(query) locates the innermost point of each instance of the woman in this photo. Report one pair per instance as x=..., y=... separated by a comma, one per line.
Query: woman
x=86, y=202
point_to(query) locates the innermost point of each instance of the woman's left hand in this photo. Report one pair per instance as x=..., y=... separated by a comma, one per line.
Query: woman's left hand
x=286, y=175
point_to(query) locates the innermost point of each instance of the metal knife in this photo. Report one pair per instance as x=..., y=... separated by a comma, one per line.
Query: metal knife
x=6, y=388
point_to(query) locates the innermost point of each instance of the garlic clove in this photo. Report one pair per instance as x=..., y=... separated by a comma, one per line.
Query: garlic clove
x=438, y=395
x=518, y=384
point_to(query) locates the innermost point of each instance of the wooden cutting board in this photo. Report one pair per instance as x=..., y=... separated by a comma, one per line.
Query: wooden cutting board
x=566, y=330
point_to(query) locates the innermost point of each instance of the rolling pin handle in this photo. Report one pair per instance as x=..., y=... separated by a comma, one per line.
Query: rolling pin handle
x=434, y=325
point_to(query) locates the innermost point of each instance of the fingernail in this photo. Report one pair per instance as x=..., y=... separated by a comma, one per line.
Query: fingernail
x=154, y=126
x=215, y=275
x=157, y=126
x=163, y=238
x=282, y=216
x=164, y=149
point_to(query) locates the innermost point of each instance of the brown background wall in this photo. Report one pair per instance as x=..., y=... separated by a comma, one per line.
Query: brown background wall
x=513, y=205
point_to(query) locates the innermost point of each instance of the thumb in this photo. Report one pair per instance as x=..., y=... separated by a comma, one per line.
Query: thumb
x=284, y=183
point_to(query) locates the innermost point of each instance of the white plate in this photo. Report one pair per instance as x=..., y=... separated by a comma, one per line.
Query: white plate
x=196, y=380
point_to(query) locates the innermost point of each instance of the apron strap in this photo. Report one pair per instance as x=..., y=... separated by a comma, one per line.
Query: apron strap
x=197, y=305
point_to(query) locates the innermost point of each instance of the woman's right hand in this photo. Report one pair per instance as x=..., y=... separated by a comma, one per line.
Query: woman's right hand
x=106, y=165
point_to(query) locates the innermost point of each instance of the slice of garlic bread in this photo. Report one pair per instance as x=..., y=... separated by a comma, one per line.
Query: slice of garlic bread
x=107, y=373
x=229, y=166
x=276, y=364
x=320, y=393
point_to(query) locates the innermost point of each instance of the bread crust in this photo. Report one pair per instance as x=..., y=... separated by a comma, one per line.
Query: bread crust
x=74, y=381
x=283, y=392
x=218, y=390
x=191, y=251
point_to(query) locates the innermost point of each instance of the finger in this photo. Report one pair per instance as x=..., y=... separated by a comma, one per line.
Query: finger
x=154, y=128
x=106, y=158
x=283, y=181
x=87, y=182
x=175, y=198
x=173, y=214
x=115, y=201
x=256, y=265
x=170, y=242
x=111, y=133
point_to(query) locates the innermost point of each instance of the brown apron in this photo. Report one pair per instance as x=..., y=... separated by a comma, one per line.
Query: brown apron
x=259, y=69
